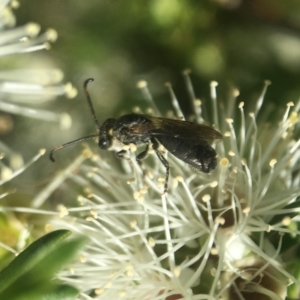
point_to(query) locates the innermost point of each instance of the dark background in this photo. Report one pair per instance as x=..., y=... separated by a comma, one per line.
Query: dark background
x=237, y=43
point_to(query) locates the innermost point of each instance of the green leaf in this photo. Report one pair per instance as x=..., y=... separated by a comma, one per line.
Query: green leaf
x=62, y=292
x=31, y=256
x=30, y=275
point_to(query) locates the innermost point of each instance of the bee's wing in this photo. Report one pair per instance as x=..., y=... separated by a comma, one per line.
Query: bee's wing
x=180, y=129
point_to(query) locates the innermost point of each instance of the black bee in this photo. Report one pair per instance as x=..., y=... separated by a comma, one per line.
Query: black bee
x=185, y=140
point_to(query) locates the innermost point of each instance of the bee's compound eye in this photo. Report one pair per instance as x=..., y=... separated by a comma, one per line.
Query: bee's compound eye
x=104, y=143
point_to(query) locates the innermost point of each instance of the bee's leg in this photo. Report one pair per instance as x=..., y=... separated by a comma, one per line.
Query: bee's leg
x=155, y=146
x=122, y=154
x=142, y=156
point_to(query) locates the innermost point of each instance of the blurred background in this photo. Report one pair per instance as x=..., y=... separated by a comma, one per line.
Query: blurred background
x=238, y=43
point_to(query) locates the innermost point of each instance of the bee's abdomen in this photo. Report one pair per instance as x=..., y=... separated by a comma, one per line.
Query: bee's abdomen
x=200, y=155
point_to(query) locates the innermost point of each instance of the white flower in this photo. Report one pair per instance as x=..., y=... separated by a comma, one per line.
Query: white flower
x=207, y=238
x=21, y=90
x=30, y=86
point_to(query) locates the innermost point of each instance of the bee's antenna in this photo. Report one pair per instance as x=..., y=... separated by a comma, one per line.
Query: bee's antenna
x=88, y=97
x=70, y=144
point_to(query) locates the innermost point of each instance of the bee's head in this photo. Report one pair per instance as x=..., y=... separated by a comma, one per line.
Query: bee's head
x=106, y=134
x=105, y=142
